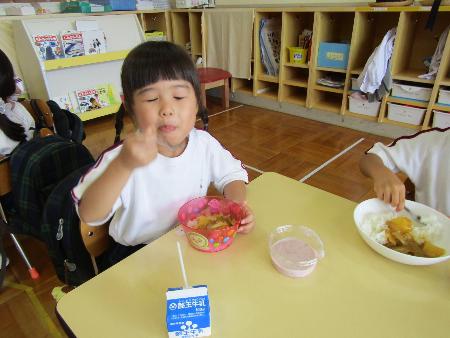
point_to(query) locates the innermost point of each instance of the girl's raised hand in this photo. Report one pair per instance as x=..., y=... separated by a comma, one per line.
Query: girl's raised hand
x=139, y=149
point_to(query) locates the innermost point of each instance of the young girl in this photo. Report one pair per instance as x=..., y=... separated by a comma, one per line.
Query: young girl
x=144, y=181
x=16, y=123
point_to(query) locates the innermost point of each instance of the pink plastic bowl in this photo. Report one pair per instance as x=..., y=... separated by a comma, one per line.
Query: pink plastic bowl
x=210, y=240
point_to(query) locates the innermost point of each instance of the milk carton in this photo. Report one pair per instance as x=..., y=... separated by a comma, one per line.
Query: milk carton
x=188, y=312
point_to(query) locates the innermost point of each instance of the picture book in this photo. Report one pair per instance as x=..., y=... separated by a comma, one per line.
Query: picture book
x=72, y=42
x=94, y=42
x=106, y=94
x=64, y=102
x=48, y=46
x=88, y=99
x=95, y=98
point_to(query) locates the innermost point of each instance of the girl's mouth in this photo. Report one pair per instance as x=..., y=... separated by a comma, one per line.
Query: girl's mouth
x=167, y=128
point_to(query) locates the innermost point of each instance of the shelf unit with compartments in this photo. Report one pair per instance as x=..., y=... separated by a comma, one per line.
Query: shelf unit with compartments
x=364, y=28
x=187, y=29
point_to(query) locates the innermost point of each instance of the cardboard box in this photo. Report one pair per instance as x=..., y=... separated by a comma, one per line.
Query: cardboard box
x=333, y=55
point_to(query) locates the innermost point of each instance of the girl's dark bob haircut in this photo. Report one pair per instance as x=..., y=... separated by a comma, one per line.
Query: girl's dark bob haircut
x=7, y=82
x=153, y=61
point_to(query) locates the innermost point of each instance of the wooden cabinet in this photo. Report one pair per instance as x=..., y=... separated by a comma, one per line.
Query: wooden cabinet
x=364, y=28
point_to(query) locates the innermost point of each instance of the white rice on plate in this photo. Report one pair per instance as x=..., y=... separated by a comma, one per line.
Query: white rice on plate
x=374, y=226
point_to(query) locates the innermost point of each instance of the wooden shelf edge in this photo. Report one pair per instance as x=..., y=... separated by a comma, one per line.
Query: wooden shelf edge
x=442, y=107
x=334, y=70
x=295, y=83
x=267, y=78
x=329, y=89
x=417, y=103
x=92, y=114
x=296, y=65
x=84, y=60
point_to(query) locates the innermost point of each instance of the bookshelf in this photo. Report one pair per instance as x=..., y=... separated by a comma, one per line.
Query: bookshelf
x=328, y=27
x=157, y=21
x=52, y=78
x=264, y=85
x=187, y=27
x=293, y=76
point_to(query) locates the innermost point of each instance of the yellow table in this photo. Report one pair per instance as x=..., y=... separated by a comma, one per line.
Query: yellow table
x=354, y=292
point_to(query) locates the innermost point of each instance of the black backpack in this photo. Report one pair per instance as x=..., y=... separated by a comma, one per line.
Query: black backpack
x=70, y=258
x=60, y=121
x=37, y=166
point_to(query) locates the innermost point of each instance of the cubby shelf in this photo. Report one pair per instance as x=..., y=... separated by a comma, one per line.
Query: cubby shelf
x=361, y=116
x=329, y=89
x=295, y=100
x=356, y=71
x=85, y=60
x=296, y=83
x=446, y=82
x=296, y=65
x=412, y=76
x=268, y=78
x=334, y=70
x=417, y=103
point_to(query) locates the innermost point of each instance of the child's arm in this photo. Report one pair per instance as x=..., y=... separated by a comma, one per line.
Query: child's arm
x=237, y=191
x=387, y=185
x=138, y=150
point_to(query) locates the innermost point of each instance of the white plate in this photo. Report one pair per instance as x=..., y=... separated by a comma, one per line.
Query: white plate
x=375, y=205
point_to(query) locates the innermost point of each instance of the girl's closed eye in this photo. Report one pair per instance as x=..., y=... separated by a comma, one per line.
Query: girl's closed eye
x=179, y=97
x=152, y=99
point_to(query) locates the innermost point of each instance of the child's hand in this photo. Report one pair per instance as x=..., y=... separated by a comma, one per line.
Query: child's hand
x=248, y=222
x=139, y=149
x=391, y=190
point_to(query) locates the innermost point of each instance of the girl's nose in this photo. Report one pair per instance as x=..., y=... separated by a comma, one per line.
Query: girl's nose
x=166, y=110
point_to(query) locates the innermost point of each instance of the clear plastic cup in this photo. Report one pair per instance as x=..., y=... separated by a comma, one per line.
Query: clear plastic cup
x=295, y=250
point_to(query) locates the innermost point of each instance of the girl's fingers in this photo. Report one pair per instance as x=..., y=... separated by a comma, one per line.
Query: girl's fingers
x=244, y=229
x=248, y=219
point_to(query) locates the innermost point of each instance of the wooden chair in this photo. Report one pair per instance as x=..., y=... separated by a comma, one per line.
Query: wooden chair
x=212, y=78
x=5, y=188
x=95, y=239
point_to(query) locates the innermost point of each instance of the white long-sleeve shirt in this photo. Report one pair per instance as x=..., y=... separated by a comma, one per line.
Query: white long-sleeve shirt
x=148, y=204
x=425, y=158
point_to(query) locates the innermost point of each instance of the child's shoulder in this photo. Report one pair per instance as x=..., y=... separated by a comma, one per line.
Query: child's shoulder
x=109, y=154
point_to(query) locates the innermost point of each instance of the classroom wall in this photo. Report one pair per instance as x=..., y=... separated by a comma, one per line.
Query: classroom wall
x=7, y=44
x=280, y=3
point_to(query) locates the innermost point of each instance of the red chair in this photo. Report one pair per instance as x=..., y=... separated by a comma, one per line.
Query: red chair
x=212, y=78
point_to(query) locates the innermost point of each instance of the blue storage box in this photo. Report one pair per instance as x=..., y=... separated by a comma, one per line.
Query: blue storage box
x=117, y=5
x=333, y=55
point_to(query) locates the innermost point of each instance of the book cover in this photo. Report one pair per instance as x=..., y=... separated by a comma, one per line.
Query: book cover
x=94, y=42
x=64, y=102
x=48, y=46
x=107, y=94
x=89, y=99
x=72, y=42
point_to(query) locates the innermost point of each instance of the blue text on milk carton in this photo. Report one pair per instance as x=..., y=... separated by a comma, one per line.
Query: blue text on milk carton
x=188, y=312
